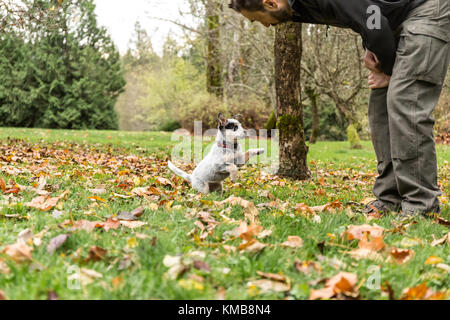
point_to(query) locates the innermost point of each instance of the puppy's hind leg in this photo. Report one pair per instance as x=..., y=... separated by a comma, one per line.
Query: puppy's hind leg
x=201, y=186
x=215, y=187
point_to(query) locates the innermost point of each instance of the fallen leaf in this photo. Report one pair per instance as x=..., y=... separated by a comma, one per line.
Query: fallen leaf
x=251, y=212
x=293, y=242
x=111, y=223
x=272, y=276
x=19, y=252
x=3, y=295
x=131, y=216
x=444, y=239
x=343, y=282
x=56, y=242
x=421, y=292
x=96, y=253
x=306, y=267
x=433, y=260
x=133, y=224
x=201, y=265
x=359, y=232
x=45, y=203
x=252, y=246
x=266, y=285
x=400, y=255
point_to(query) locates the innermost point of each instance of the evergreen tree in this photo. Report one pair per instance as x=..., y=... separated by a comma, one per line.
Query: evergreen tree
x=66, y=75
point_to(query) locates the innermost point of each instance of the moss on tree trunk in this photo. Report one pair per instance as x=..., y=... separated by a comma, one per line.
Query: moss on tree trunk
x=293, y=150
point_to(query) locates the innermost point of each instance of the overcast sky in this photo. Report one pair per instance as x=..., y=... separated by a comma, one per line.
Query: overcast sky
x=119, y=17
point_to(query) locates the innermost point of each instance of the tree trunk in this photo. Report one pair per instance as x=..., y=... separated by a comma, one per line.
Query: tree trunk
x=315, y=128
x=213, y=62
x=293, y=150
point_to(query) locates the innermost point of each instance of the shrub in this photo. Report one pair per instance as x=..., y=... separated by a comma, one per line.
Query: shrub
x=170, y=126
x=353, y=137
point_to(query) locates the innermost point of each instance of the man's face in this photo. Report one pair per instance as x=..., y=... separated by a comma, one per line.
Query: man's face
x=277, y=11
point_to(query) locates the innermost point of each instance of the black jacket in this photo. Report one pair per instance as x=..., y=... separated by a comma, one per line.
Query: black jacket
x=353, y=14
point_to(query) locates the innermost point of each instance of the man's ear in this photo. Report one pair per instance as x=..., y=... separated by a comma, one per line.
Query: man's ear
x=271, y=4
x=222, y=119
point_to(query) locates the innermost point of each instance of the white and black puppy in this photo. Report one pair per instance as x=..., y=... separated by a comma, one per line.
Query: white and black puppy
x=222, y=161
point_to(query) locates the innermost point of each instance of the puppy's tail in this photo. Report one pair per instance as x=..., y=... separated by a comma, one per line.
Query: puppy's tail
x=179, y=172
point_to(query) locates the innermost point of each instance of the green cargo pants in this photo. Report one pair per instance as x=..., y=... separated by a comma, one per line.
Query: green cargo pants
x=400, y=116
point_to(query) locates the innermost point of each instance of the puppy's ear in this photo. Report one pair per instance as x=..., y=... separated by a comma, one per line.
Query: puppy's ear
x=222, y=119
x=238, y=117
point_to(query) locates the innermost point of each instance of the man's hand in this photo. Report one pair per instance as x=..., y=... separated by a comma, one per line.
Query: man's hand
x=378, y=80
x=371, y=62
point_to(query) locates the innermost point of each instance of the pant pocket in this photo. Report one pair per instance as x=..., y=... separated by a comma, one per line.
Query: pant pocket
x=425, y=51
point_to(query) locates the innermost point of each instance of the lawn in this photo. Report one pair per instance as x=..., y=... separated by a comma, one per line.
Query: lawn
x=67, y=228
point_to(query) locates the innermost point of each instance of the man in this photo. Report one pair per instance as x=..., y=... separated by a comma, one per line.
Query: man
x=408, y=57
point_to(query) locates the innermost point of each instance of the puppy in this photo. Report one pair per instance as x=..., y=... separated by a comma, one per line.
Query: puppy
x=222, y=161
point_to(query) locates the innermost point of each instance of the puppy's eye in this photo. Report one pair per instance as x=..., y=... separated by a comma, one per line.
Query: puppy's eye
x=229, y=126
x=236, y=128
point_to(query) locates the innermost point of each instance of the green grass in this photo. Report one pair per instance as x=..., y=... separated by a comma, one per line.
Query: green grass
x=348, y=177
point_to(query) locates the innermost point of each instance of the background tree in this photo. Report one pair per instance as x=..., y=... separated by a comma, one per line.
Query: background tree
x=333, y=66
x=70, y=70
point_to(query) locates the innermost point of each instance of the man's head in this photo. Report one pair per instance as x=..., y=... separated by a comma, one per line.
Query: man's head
x=267, y=12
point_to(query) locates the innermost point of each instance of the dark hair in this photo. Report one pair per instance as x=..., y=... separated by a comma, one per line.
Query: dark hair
x=249, y=5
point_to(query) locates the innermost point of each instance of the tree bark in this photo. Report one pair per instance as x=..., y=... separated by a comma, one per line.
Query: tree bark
x=213, y=61
x=293, y=150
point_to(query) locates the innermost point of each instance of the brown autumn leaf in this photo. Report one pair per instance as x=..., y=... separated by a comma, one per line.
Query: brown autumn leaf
x=2, y=185
x=272, y=276
x=111, y=223
x=201, y=265
x=306, y=267
x=130, y=216
x=400, y=255
x=293, y=242
x=3, y=296
x=343, y=282
x=251, y=212
x=19, y=252
x=371, y=243
x=4, y=269
x=303, y=208
x=443, y=240
x=442, y=221
x=45, y=203
x=133, y=224
x=252, y=246
x=164, y=182
x=96, y=253
x=56, y=242
x=266, y=285
x=330, y=207
x=83, y=224
x=421, y=292
x=359, y=232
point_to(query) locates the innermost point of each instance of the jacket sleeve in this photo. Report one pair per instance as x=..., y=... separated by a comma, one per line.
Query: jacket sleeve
x=380, y=40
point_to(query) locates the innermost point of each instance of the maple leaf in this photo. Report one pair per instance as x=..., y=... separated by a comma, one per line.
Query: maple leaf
x=343, y=282
x=400, y=255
